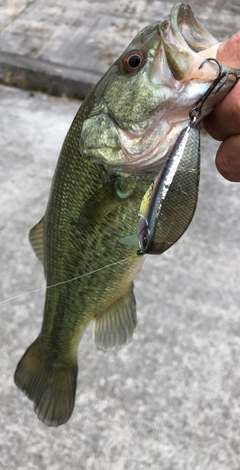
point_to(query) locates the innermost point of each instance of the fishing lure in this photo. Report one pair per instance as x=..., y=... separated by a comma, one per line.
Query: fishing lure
x=169, y=204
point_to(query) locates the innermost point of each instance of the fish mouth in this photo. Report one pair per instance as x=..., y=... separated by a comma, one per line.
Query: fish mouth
x=183, y=39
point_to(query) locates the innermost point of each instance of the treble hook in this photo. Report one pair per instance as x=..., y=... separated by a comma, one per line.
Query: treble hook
x=196, y=112
x=197, y=108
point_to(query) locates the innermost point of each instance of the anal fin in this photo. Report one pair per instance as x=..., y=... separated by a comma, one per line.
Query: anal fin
x=115, y=326
x=36, y=240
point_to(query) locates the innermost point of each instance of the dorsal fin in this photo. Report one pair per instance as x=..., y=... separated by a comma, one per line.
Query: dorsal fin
x=115, y=327
x=36, y=240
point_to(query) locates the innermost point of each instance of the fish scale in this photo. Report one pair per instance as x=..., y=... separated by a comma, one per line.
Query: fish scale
x=88, y=248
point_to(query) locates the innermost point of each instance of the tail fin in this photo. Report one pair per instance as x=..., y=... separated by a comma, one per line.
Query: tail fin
x=51, y=388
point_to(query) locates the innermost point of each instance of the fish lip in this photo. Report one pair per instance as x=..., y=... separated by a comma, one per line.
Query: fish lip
x=182, y=38
x=195, y=35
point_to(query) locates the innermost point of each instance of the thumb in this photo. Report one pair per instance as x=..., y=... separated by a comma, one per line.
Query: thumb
x=228, y=53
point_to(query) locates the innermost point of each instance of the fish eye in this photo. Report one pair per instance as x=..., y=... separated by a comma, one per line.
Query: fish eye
x=133, y=60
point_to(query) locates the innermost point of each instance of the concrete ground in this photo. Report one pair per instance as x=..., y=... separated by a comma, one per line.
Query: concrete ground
x=170, y=400
x=64, y=48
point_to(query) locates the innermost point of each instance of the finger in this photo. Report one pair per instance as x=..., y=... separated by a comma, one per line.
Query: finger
x=228, y=159
x=224, y=121
x=228, y=52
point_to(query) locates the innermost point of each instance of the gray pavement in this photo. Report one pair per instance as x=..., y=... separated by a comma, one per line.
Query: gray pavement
x=64, y=48
x=170, y=400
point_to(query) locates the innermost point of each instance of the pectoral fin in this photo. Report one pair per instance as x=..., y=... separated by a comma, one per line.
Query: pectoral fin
x=105, y=200
x=36, y=240
x=115, y=327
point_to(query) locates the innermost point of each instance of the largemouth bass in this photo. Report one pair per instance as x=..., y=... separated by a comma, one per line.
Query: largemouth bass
x=116, y=145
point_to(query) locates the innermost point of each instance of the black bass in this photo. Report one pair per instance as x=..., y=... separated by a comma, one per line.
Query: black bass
x=115, y=147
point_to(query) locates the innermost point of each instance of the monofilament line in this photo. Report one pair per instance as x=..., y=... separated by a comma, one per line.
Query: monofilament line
x=65, y=282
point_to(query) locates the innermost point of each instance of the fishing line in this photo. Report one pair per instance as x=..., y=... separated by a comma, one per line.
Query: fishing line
x=69, y=280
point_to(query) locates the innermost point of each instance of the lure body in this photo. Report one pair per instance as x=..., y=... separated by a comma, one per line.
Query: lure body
x=170, y=202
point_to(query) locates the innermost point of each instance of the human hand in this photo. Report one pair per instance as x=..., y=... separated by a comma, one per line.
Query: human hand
x=224, y=121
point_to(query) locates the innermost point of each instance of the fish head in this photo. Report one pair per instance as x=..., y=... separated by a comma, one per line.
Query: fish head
x=142, y=103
